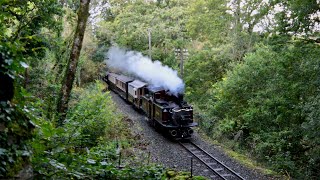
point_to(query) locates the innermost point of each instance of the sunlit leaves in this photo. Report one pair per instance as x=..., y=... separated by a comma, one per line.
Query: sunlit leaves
x=297, y=16
x=209, y=20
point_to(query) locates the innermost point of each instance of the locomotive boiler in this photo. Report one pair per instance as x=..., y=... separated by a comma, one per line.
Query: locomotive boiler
x=163, y=110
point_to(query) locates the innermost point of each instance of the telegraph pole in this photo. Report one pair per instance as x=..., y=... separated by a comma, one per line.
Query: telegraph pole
x=182, y=53
x=149, y=35
x=181, y=63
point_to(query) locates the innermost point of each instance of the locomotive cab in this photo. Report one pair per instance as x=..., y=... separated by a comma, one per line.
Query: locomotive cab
x=182, y=116
x=168, y=112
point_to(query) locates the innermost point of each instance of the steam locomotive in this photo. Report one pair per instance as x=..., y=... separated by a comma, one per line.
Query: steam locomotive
x=163, y=110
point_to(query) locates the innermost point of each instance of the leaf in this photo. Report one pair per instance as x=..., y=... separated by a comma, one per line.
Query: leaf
x=9, y=61
x=2, y=151
x=25, y=153
x=11, y=75
x=103, y=163
x=57, y=165
x=23, y=64
x=91, y=161
x=77, y=174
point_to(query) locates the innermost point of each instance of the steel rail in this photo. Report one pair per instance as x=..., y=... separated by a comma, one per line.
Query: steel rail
x=213, y=158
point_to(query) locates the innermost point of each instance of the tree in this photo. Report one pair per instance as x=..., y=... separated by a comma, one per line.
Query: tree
x=131, y=20
x=83, y=14
x=272, y=98
x=297, y=17
x=209, y=21
x=22, y=41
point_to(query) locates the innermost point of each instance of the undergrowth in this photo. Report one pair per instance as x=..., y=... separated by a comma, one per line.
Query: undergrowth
x=88, y=145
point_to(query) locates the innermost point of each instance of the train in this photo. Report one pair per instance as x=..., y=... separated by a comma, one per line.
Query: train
x=164, y=111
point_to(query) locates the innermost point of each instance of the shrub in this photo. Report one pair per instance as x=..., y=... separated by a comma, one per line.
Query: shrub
x=265, y=97
x=93, y=118
x=86, y=145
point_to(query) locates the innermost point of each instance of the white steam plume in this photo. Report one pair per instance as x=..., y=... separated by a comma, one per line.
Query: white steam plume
x=150, y=71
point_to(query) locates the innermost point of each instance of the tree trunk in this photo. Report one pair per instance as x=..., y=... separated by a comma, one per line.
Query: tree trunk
x=62, y=106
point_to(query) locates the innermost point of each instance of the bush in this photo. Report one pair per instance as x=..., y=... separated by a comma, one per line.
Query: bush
x=267, y=97
x=86, y=146
x=93, y=118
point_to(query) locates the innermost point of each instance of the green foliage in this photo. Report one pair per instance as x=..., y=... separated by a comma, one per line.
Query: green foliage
x=269, y=95
x=297, y=16
x=22, y=21
x=15, y=115
x=171, y=174
x=15, y=128
x=87, y=71
x=86, y=146
x=203, y=69
x=131, y=21
x=208, y=21
x=311, y=136
x=99, y=54
x=20, y=43
x=93, y=118
x=265, y=96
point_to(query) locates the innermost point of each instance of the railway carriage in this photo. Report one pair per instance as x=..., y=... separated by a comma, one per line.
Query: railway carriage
x=122, y=83
x=110, y=79
x=135, y=92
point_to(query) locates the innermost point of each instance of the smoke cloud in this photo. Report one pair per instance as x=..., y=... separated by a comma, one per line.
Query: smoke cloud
x=153, y=72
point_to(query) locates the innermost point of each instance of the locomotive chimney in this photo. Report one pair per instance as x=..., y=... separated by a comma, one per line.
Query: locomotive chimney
x=180, y=97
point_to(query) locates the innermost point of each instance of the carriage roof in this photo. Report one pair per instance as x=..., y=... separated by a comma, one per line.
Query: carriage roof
x=137, y=84
x=124, y=79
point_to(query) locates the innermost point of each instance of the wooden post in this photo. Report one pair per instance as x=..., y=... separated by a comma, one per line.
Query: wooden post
x=149, y=157
x=191, y=168
x=119, y=160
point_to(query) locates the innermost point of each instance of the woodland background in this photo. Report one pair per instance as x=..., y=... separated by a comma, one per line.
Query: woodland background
x=252, y=73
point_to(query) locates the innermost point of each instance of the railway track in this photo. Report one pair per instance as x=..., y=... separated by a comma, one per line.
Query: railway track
x=220, y=170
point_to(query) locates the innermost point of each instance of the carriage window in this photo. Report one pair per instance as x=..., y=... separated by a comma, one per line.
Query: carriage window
x=135, y=92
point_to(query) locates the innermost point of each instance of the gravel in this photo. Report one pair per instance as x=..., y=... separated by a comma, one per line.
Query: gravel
x=170, y=154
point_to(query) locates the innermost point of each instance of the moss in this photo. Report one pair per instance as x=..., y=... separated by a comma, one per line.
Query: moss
x=171, y=173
